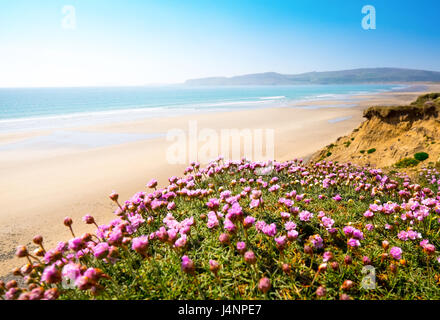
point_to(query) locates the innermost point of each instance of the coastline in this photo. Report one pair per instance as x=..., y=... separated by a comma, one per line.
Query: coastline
x=42, y=186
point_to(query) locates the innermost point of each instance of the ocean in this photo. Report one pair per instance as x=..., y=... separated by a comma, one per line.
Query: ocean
x=23, y=109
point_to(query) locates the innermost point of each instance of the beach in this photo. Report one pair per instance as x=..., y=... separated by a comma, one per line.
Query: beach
x=44, y=180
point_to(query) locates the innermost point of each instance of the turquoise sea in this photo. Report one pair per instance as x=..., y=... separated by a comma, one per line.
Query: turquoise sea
x=42, y=108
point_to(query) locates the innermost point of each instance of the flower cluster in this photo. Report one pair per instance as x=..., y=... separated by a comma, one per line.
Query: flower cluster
x=227, y=231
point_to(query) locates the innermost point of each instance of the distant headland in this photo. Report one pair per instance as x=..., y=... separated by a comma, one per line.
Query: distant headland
x=365, y=75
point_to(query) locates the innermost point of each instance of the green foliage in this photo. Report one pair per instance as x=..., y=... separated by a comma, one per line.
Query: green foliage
x=371, y=150
x=362, y=151
x=406, y=162
x=421, y=156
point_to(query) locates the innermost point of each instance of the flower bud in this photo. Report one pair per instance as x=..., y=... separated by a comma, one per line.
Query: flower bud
x=214, y=266
x=345, y=296
x=286, y=268
x=347, y=285
x=224, y=238
x=86, y=237
x=187, y=265
x=114, y=196
x=320, y=292
x=348, y=260
x=21, y=252
x=393, y=268
x=385, y=245
x=51, y=294
x=334, y=265
x=264, y=285
x=11, y=284
x=366, y=260
x=68, y=221
x=26, y=269
x=16, y=272
x=308, y=249
x=249, y=257
x=88, y=219
x=38, y=240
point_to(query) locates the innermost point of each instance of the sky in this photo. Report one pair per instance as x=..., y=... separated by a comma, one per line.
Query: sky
x=112, y=42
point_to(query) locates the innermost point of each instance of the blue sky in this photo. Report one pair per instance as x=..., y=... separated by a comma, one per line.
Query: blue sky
x=142, y=42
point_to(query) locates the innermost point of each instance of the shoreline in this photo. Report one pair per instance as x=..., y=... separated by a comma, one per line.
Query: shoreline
x=42, y=186
x=23, y=125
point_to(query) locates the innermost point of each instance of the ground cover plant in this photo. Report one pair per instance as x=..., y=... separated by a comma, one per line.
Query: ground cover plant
x=250, y=230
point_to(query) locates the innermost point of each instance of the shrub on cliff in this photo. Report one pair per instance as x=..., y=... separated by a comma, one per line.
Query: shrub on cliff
x=406, y=162
x=421, y=156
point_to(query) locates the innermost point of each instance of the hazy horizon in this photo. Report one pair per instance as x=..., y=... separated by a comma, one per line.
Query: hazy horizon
x=133, y=43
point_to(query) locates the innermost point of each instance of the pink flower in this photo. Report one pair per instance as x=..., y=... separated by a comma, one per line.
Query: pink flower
x=152, y=183
x=213, y=203
x=212, y=220
x=358, y=234
x=248, y=221
x=255, y=203
x=353, y=242
x=187, y=265
x=316, y=241
x=281, y=242
x=368, y=214
x=396, y=253
x=327, y=222
x=348, y=230
x=51, y=275
x=171, y=205
x=140, y=244
x=76, y=244
x=337, y=197
x=285, y=215
x=292, y=234
x=100, y=251
x=241, y=247
x=270, y=229
x=228, y=225
x=181, y=242
x=327, y=256
x=71, y=271
x=289, y=225
x=305, y=216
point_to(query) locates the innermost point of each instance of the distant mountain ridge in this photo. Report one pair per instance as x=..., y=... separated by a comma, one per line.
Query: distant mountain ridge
x=365, y=75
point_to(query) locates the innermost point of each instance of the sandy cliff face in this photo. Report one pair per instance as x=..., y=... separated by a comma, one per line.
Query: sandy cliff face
x=390, y=134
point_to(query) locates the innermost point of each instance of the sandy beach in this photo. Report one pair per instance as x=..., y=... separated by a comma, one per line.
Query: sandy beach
x=42, y=185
